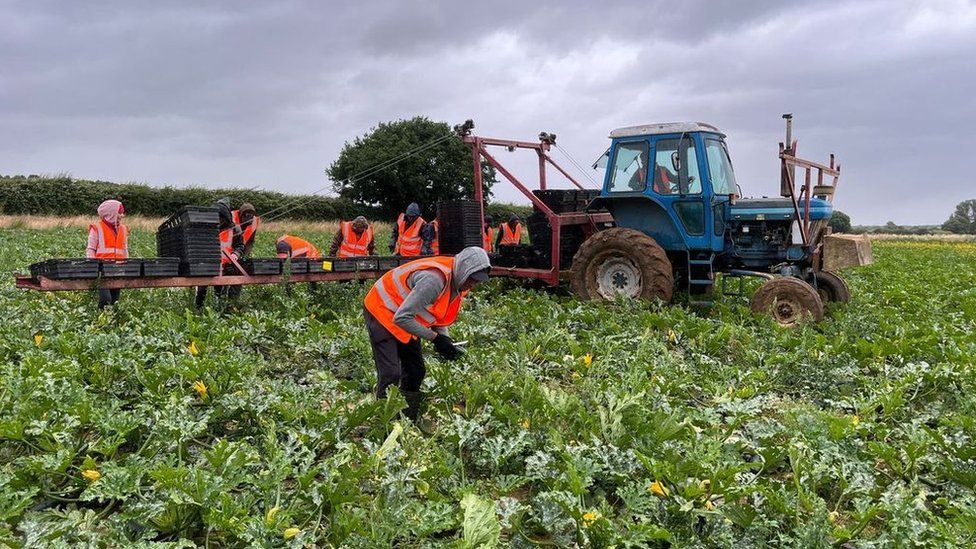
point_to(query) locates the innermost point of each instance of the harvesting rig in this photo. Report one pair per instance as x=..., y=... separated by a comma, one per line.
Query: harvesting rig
x=670, y=216
x=668, y=219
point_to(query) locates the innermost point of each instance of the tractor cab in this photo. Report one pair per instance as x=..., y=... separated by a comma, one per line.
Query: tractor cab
x=673, y=182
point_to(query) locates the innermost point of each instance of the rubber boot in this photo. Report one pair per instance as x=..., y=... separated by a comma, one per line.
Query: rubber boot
x=415, y=400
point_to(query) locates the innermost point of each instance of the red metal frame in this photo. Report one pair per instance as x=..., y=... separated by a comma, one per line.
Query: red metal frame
x=788, y=164
x=479, y=150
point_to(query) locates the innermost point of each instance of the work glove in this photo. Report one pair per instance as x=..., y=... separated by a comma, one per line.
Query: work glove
x=446, y=348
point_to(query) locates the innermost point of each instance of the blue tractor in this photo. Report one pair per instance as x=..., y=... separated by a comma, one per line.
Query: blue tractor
x=669, y=218
x=679, y=219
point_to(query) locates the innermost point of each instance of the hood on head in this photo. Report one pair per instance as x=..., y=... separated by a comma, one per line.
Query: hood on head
x=413, y=209
x=360, y=223
x=513, y=219
x=223, y=208
x=111, y=211
x=467, y=262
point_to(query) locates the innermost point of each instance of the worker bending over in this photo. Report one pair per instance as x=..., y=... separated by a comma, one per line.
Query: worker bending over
x=489, y=235
x=510, y=233
x=108, y=239
x=416, y=301
x=292, y=246
x=231, y=247
x=407, y=241
x=354, y=239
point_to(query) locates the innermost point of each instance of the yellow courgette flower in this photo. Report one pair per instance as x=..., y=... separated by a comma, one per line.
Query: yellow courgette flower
x=38, y=338
x=589, y=518
x=201, y=388
x=292, y=532
x=587, y=360
x=526, y=424
x=193, y=348
x=658, y=489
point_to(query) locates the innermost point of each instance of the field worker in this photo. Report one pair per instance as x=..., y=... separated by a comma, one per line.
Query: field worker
x=231, y=246
x=406, y=232
x=510, y=233
x=108, y=239
x=292, y=246
x=249, y=222
x=418, y=300
x=431, y=244
x=489, y=236
x=354, y=239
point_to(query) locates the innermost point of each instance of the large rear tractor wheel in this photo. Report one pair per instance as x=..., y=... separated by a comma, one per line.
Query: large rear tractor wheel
x=622, y=262
x=831, y=287
x=790, y=301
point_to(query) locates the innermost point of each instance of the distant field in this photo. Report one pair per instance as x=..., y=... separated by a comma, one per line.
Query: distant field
x=567, y=424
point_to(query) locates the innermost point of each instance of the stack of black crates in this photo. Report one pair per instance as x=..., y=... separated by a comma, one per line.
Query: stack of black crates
x=570, y=237
x=192, y=235
x=459, y=225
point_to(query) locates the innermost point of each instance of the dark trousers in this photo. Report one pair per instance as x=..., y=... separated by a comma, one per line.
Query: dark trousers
x=232, y=292
x=108, y=297
x=400, y=364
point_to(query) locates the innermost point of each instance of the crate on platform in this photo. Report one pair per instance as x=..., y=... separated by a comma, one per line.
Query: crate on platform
x=193, y=216
x=387, y=263
x=295, y=265
x=262, y=266
x=65, y=269
x=125, y=268
x=321, y=265
x=160, y=266
x=459, y=225
x=355, y=264
x=200, y=268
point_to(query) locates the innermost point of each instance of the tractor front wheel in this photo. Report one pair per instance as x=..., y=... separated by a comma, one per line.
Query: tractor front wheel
x=622, y=262
x=790, y=301
x=831, y=287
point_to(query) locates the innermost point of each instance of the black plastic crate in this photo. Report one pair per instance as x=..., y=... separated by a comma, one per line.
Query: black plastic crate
x=161, y=266
x=566, y=200
x=459, y=225
x=64, y=269
x=355, y=264
x=262, y=266
x=387, y=263
x=295, y=265
x=126, y=268
x=200, y=268
x=193, y=216
x=322, y=265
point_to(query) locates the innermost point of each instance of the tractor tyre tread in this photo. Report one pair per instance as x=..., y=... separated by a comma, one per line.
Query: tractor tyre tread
x=806, y=295
x=832, y=287
x=656, y=272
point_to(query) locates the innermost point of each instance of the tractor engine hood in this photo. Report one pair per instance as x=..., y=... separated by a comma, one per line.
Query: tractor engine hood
x=777, y=209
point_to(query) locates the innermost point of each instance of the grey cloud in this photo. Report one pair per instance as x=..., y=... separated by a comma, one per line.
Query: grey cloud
x=266, y=93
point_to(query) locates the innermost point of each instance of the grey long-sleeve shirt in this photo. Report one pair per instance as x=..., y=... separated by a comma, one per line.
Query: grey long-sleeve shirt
x=425, y=286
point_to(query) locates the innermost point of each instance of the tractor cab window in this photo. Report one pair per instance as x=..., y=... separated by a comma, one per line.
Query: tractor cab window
x=681, y=177
x=720, y=167
x=629, y=167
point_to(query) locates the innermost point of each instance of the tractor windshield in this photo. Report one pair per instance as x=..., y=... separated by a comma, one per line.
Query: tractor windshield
x=720, y=167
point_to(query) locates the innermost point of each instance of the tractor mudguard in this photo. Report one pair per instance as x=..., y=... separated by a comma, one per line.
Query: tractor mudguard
x=641, y=212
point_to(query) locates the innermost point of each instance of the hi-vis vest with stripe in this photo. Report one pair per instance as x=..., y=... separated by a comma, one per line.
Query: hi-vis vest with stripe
x=353, y=246
x=388, y=293
x=251, y=228
x=408, y=242
x=226, y=244
x=509, y=236
x=489, y=239
x=435, y=245
x=300, y=247
x=112, y=244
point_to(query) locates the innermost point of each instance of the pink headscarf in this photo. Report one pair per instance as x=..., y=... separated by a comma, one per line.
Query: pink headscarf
x=111, y=211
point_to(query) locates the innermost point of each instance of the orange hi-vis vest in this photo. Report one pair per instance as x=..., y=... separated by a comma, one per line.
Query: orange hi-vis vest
x=353, y=246
x=435, y=245
x=300, y=247
x=251, y=228
x=226, y=244
x=112, y=243
x=408, y=242
x=489, y=239
x=509, y=236
x=388, y=293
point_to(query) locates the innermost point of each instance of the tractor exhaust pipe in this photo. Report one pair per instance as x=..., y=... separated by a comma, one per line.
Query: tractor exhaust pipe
x=789, y=132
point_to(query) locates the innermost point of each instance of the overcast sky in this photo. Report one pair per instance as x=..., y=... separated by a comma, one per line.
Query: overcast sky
x=264, y=95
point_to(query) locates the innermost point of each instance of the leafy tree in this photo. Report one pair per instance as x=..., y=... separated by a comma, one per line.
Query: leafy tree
x=839, y=222
x=963, y=220
x=440, y=172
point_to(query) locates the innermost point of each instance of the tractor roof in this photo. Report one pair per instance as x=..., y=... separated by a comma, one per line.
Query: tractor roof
x=665, y=127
